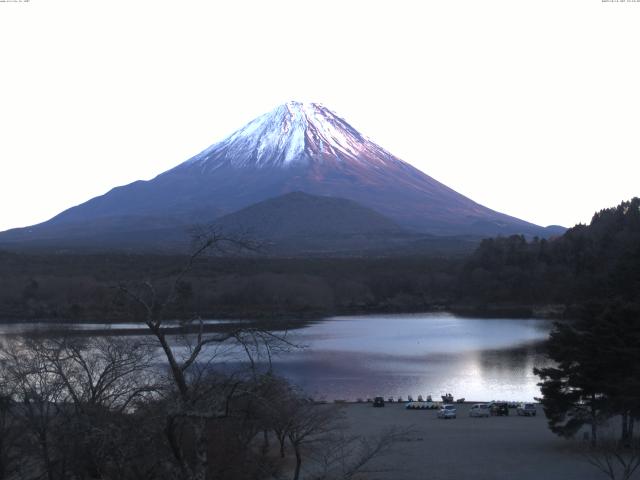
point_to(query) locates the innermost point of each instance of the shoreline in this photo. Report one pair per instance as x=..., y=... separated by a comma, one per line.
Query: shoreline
x=543, y=312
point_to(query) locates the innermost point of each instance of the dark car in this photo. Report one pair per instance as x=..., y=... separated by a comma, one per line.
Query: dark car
x=378, y=402
x=500, y=409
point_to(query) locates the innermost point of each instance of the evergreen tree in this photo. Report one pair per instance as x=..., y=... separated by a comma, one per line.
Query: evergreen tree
x=596, y=374
x=573, y=390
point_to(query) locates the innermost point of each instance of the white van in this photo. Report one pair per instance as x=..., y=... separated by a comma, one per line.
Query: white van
x=480, y=410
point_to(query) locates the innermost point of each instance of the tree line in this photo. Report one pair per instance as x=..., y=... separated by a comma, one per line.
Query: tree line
x=594, y=380
x=504, y=275
x=66, y=287
x=595, y=263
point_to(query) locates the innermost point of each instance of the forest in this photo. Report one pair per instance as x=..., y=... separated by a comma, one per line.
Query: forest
x=599, y=262
x=512, y=275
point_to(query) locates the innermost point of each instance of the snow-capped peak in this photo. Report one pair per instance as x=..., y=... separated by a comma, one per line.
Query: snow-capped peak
x=291, y=134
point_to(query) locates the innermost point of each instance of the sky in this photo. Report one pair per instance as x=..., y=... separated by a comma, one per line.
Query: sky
x=531, y=108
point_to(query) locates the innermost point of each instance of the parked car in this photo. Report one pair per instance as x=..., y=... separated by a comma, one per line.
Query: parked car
x=447, y=411
x=378, y=402
x=527, y=410
x=480, y=410
x=499, y=409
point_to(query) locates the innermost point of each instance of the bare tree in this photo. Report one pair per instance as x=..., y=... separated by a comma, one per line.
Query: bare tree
x=308, y=424
x=348, y=457
x=102, y=408
x=197, y=400
x=10, y=431
x=104, y=372
x=71, y=396
x=103, y=378
x=40, y=396
x=616, y=459
x=318, y=433
x=279, y=400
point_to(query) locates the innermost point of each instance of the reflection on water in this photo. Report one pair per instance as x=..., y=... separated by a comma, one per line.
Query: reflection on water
x=401, y=355
x=17, y=328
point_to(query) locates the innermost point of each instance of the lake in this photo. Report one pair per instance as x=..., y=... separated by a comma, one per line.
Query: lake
x=407, y=354
x=418, y=354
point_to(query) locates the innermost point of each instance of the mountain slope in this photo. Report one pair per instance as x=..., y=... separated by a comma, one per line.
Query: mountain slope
x=299, y=214
x=298, y=223
x=295, y=147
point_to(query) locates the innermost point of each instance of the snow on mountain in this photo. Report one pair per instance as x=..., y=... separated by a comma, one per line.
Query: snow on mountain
x=291, y=134
x=297, y=147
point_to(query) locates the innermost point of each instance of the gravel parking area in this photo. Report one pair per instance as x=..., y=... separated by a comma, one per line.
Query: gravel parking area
x=513, y=447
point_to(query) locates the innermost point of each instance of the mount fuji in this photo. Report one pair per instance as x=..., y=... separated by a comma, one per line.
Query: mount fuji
x=297, y=147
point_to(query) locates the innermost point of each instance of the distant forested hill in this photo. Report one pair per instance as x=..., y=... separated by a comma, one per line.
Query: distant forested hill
x=599, y=262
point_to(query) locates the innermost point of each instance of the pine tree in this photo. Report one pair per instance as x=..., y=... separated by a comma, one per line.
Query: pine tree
x=596, y=374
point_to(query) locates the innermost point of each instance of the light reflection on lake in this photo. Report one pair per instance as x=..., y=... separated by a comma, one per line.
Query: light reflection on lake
x=400, y=355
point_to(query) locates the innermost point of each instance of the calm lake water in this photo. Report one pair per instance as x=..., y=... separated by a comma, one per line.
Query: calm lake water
x=421, y=354
x=400, y=355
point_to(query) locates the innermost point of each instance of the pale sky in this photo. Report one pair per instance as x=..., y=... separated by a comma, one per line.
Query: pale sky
x=530, y=107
